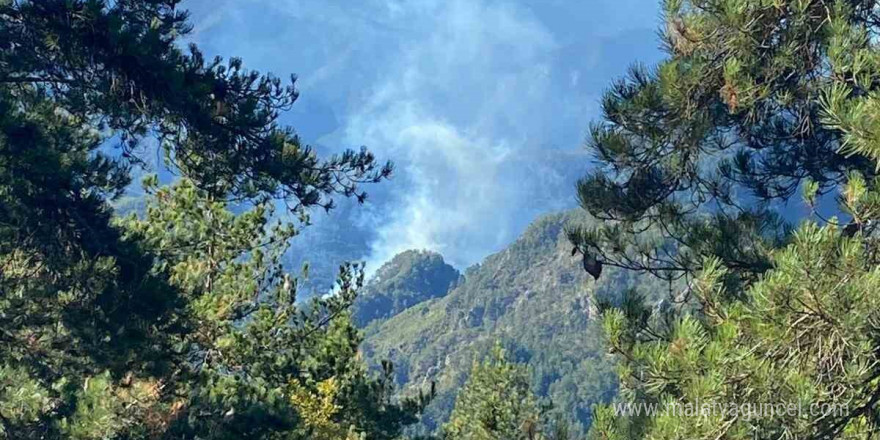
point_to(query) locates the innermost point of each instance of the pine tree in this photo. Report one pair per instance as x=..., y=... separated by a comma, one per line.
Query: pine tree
x=754, y=98
x=257, y=363
x=794, y=356
x=757, y=101
x=113, y=329
x=497, y=403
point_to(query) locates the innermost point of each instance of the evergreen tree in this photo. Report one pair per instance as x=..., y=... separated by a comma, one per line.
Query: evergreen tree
x=793, y=356
x=180, y=324
x=497, y=403
x=755, y=98
x=256, y=363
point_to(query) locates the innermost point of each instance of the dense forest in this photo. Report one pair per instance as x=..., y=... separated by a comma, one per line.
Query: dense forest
x=533, y=300
x=173, y=311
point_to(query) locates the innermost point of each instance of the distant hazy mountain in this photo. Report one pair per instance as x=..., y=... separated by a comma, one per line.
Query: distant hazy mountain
x=330, y=240
x=533, y=297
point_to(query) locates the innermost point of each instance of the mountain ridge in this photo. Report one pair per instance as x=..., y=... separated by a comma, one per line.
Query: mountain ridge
x=535, y=299
x=409, y=278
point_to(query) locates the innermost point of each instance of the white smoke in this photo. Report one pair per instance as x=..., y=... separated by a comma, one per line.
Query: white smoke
x=482, y=104
x=455, y=111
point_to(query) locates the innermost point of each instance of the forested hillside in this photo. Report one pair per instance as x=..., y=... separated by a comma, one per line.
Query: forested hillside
x=410, y=278
x=533, y=298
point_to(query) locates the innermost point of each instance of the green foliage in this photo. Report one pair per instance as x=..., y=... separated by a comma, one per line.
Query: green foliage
x=755, y=99
x=804, y=336
x=118, y=65
x=410, y=278
x=533, y=298
x=496, y=403
x=774, y=333
x=257, y=360
x=243, y=354
x=23, y=400
x=99, y=414
x=180, y=322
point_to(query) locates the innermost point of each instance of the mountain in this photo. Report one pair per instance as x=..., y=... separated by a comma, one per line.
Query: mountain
x=535, y=299
x=410, y=278
x=330, y=239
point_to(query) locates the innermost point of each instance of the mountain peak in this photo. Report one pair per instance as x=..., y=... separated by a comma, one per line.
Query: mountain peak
x=411, y=277
x=535, y=299
x=407, y=264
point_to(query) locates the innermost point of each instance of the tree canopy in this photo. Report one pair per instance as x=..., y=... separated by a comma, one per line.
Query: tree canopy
x=772, y=333
x=497, y=403
x=180, y=323
x=695, y=156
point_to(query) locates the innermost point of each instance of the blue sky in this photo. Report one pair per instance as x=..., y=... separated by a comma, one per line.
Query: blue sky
x=482, y=105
